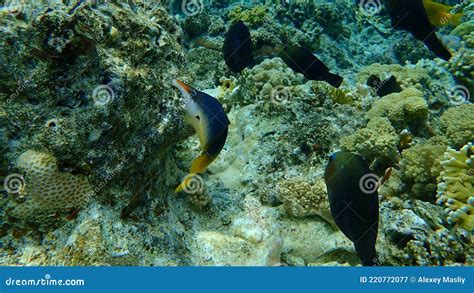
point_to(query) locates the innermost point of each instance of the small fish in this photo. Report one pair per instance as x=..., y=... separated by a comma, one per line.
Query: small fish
x=440, y=14
x=384, y=87
x=354, y=204
x=237, y=47
x=206, y=115
x=303, y=61
x=411, y=16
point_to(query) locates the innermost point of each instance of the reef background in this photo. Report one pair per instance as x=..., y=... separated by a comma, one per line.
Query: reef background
x=86, y=103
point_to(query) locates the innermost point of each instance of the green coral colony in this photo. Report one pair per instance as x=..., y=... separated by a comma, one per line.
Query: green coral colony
x=94, y=142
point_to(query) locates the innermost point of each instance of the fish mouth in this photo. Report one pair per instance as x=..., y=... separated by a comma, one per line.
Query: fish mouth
x=183, y=88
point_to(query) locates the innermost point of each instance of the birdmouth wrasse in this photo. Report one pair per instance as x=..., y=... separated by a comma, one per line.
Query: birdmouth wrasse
x=237, y=48
x=354, y=203
x=206, y=115
x=411, y=16
x=303, y=61
x=440, y=14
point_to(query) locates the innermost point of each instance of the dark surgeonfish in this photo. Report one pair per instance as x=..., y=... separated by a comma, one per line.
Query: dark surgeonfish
x=410, y=15
x=384, y=87
x=303, y=61
x=237, y=47
x=354, y=203
x=206, y=115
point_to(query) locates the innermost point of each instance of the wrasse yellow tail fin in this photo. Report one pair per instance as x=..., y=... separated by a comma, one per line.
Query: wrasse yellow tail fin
x=456, y=19
x=184, y=183
x=200, y=164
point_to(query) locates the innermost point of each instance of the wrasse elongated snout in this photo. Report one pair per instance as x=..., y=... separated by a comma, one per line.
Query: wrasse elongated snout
x=208, y=118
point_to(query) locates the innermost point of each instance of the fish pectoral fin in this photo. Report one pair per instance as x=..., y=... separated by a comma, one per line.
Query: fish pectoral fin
x=200, y=164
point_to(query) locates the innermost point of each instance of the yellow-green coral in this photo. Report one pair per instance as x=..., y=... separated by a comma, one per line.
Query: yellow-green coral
x=455, y=188
x=403, y=109
x=419, y=169
x=48, y=189
x=301, y=198
x=457, y=124
x=253, y=16
x=377, y=140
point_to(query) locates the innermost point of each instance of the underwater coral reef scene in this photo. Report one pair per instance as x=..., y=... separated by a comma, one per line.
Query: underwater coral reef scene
x=237, y=133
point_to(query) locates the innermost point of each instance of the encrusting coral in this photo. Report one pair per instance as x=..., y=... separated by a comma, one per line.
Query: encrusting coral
x=47, y=188
x=455, y=188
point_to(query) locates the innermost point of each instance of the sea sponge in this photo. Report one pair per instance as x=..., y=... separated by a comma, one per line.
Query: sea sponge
x=301, y=198
x=456, y=124
x=404, y=110
x=455, y=187
x=48, y=189
x=378, y=140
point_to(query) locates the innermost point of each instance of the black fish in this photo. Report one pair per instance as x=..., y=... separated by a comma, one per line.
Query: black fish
x=385, y=87
x=354, y=202
x=303, y=61
x=237, y=47
x=410, y=15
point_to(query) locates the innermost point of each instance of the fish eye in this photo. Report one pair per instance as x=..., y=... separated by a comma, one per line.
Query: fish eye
x=198, y=118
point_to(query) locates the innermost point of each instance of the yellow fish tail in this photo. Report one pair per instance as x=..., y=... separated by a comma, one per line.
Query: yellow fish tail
x=185, y=183
x=456, y=19
x=200, y=164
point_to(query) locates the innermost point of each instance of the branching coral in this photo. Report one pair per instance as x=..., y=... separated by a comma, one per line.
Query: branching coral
x=47, y=188
x=455, y=188
x=301, y=198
